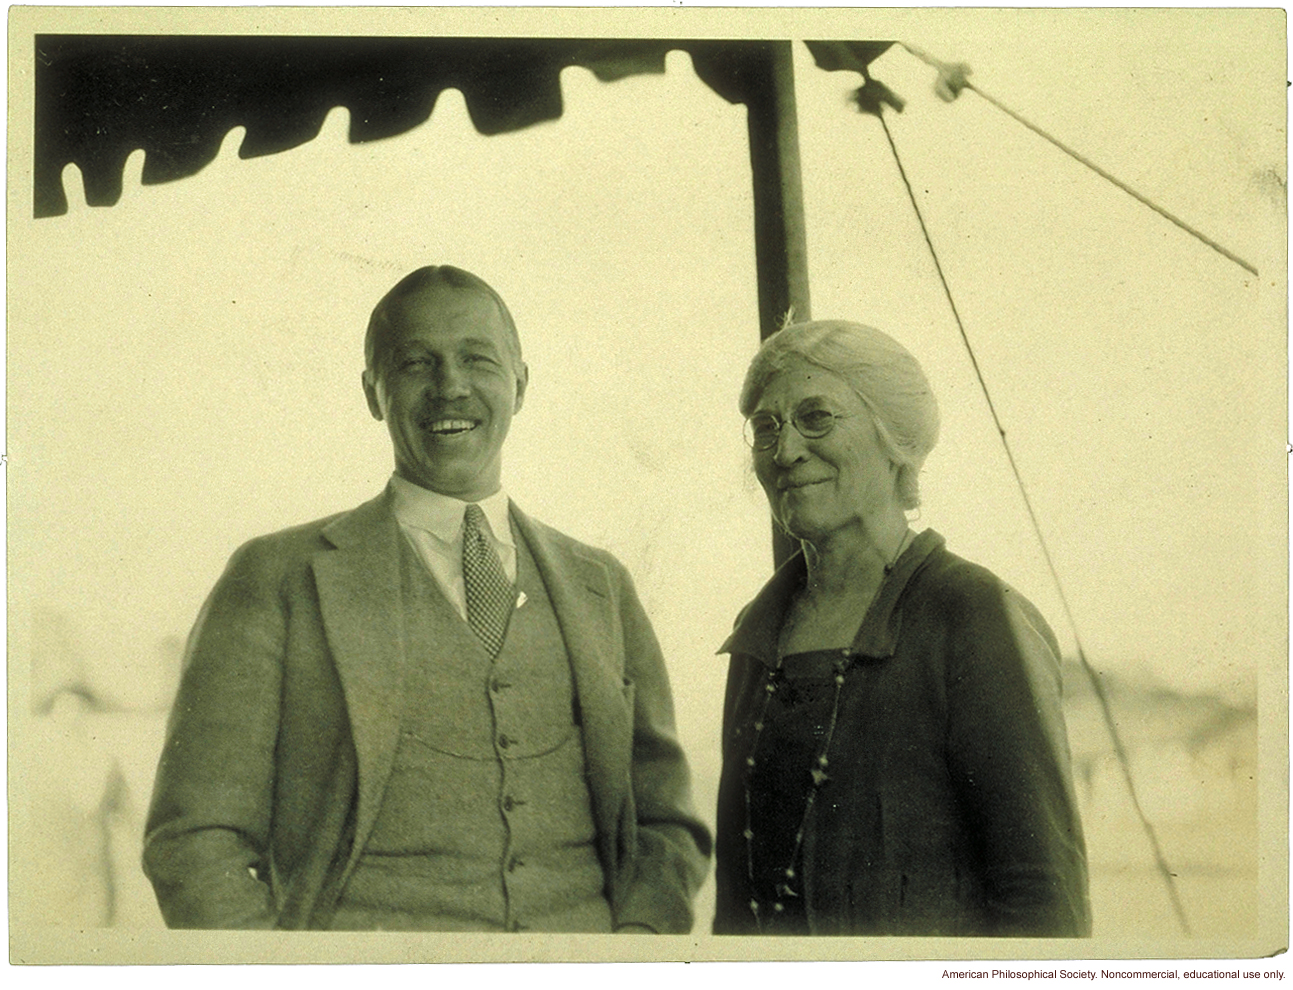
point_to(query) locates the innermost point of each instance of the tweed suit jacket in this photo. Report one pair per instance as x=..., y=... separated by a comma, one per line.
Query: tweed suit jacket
x=285, y=727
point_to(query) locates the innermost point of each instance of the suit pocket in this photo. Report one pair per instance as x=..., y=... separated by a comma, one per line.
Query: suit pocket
x=628, y=825
x=628, y=691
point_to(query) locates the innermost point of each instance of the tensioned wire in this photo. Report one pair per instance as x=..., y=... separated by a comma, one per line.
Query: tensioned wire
x=952, y=78
x=869, y=104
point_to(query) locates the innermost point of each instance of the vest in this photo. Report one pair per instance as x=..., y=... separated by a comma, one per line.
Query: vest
x=486, y=823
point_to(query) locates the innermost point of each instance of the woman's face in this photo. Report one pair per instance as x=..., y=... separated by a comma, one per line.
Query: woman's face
x=825, y=486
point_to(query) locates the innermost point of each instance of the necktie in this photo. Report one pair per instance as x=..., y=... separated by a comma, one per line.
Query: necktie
x=490, y=596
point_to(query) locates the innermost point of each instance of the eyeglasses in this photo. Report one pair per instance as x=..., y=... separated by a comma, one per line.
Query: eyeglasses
x=762, y=430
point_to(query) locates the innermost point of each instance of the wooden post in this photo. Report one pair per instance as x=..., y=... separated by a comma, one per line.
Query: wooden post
x=780, y=243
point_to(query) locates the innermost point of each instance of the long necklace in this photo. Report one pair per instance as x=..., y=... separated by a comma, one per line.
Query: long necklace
x=785, y=887
x=787, y=882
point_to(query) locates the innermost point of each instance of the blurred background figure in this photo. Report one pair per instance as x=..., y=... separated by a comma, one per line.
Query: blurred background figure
x=88, y=783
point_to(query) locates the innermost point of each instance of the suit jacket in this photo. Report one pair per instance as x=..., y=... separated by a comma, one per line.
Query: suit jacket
x=284, y=730
x=949, y=807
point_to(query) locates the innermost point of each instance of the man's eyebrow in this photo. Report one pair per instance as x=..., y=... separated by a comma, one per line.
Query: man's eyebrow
x=488, y=342
x=404, y=349
x=407, y=346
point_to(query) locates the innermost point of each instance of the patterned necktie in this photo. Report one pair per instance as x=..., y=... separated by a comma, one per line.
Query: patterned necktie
x=490, y=596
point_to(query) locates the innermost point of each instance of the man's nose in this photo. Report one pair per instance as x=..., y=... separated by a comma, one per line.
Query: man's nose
x=450, y=380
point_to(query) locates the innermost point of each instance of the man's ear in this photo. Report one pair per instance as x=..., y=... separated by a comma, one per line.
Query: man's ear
x=369, y=381
x=522, y=380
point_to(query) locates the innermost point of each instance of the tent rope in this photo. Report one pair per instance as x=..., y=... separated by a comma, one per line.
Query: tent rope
x=1119, y=750
x=953, y=78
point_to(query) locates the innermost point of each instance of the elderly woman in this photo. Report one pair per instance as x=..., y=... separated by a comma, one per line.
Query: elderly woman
x=894, y=754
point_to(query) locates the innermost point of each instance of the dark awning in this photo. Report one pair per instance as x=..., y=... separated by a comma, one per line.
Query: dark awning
x=98, y=98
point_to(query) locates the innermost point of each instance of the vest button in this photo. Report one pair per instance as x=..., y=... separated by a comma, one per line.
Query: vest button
x=504, y=742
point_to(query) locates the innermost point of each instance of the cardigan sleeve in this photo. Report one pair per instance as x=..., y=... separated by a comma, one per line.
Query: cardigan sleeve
x=207, y=836
x=1009, y=758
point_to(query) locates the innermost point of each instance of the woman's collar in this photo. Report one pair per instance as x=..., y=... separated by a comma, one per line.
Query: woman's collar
x=759, y=624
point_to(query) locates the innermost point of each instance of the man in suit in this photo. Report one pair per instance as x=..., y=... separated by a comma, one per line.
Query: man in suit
x=431, y=712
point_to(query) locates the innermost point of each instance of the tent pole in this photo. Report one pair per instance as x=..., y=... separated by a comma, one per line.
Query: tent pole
x=780, y=242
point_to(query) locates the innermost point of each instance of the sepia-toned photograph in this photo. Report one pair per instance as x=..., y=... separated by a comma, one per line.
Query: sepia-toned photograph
x=647, y=484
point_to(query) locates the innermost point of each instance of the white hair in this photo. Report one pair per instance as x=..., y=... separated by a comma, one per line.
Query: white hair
x=884, y=374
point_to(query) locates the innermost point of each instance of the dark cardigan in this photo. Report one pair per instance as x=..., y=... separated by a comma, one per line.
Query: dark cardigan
x=949, y=809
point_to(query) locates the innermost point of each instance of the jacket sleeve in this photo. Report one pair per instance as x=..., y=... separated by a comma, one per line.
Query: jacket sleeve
x=673, y=845
x=1008, y=753
x=207, y=835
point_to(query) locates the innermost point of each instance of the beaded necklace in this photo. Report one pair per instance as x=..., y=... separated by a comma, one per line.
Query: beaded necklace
x=841, y=664
x=819, y=775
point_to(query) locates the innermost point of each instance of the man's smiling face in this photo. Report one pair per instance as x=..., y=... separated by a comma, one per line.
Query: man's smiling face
x=447, y=382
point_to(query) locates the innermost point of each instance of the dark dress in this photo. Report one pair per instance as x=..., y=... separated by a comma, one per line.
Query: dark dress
x=915, y=784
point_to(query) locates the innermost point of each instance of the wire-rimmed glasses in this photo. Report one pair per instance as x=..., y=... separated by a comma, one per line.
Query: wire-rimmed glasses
x=813, y=421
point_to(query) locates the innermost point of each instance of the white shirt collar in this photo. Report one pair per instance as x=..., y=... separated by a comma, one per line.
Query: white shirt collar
x=441, y=515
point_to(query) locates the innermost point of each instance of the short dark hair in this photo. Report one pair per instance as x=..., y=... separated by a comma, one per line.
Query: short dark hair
x=433, y=276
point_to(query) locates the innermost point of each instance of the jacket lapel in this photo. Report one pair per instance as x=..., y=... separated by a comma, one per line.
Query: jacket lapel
x=580, y=590
x=759, y=624
x=360, y=600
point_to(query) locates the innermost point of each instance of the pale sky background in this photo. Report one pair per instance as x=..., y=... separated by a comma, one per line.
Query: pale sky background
x=184, y=366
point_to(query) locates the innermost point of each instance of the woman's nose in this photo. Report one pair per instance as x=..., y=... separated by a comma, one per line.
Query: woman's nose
x=790, y=446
